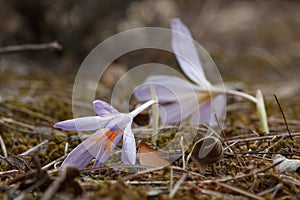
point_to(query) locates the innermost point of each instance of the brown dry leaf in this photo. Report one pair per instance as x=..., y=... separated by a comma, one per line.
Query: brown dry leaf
x=205, y=151
x=150, y=157
x=287, y=165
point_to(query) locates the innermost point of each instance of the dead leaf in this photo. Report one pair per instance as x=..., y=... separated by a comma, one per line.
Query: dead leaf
x=205, y=151
x=287, y=165
x=150, y=157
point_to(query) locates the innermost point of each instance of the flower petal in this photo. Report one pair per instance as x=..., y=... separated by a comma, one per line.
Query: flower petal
x=167, y=88
x=208, y=109
x=104, y=109
x=129, y=147
x=81, y=156
x=177, y=111
x=118, y=122
x=186, y=53
x=82, y=124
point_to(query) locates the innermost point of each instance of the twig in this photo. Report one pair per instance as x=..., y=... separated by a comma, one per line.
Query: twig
x=284, y=118
x=244, y=175
x=3, y=146
x=273, y=145
x=290, y=179
x=30, y=47
x=177, y=185
x=53, y=162
x=31, y=113
x=263, y=137
x=171, y=179
x=146, y=182
x=187, y=171
x=243, y=192
x=182, y=151
x=218, y=194
x=66, y=148
x=267, y=191
x=8, y=172
x=141, y=173
x=35, y=148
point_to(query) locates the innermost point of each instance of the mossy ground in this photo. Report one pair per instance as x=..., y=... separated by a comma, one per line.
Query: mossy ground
x=29, y=111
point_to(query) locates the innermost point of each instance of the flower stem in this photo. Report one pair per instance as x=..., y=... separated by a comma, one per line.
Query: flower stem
x=258, y=100
x=155, y=116
x=261, y=110
x=139, y=109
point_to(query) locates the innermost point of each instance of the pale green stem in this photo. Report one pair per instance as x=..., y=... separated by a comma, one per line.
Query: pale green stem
x=155, y=116
x=258, y=100
x=233, y=92
x=261, y=111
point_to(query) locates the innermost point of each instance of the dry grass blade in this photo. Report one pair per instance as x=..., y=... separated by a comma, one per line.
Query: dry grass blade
x=177, y=185
x=276, y=188
x=3, y=146
x=34, y=149
x=283, y=116
x=30, y=47
x=8, y=172
x=243, y=192
x=141, y=173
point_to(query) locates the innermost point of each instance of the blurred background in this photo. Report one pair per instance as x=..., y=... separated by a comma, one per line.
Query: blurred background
x=237, y=34
x=254, y=42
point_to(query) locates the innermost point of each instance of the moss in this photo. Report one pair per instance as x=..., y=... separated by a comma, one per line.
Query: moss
x=3, y=166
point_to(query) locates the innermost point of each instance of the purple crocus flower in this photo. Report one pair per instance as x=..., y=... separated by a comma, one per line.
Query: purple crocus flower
x=110, y=125
x=198, y=101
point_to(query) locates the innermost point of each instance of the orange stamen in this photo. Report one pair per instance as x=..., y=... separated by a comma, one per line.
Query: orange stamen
x=110, y=139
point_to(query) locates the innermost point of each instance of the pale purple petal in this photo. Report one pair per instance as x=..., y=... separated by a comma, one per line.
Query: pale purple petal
x=207, y=111
x=186, y=53
x=167, y=88
x=81, y=156
x=118, y=122
x=104, y=109
x=104, y=155
x=82, y=124
x=129, y=147
x=178, y=111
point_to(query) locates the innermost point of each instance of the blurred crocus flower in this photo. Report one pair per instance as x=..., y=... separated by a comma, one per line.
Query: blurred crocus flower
x=200, y=102
x=184, y=99
x=110, y=125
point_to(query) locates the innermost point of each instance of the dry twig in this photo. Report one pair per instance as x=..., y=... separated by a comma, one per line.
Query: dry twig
x=177, y=185
x=30, y=47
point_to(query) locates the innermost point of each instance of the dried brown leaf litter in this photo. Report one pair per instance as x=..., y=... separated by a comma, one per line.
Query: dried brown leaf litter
x=246, y=168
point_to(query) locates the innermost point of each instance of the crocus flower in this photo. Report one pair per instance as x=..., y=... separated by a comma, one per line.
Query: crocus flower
x=200, y=101
x=110, y=125
x=184, y=99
